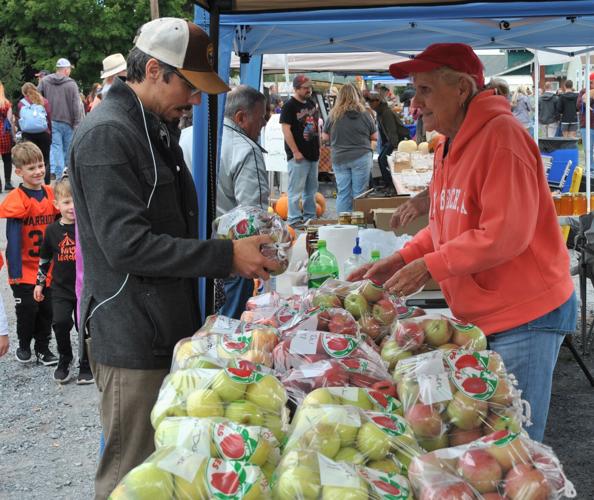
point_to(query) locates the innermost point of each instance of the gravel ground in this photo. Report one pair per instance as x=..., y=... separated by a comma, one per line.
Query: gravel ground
x=49, y=434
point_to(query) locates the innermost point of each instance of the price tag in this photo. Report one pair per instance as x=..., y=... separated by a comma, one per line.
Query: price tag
x=428, y=363
x=434, y=388
x=194, y=435
x=315, y=369
x=337, y=474
x=182, y=463
x=304, y=342
x=224, y=324
x=348, y=393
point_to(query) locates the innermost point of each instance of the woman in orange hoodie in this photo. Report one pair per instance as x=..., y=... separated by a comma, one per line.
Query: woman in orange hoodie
x=493, y=241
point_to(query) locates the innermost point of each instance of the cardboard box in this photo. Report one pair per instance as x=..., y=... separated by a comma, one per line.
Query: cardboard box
x=366, y=204
x=381, y=219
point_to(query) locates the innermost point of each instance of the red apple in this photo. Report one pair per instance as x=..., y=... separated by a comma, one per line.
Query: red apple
x=525, y=482
x=335, y=376
x=493, y=496
x=425, y=421
x=342, y=324
x=452, y=491
x=409, y=335
x=459, y=436
x=370, y=326
x=481, y=470
x=384, y=311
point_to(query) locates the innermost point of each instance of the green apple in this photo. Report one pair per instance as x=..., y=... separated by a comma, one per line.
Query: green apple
x=184, y=382
x=326, y=300
x=258, y=491
x=322, y=438
x=372, y=292
x=268, y=393
x=356, y=304
x=198, y=488
x=437, y=331
x=297, y=482
x=204, y=403
x=167, y=432
x=362, y=400
x=505, y=421
x=350, y=455
x=275, y=425
x=390, y=466
x=261, y=453
x=408, y=392
x=164, y=409
x=244, y=412
x=321, y=396
x=471, y=338
x=227, y=388
x=465, y=412
x=392, y=353
x=145, y=482
x=268, y=469
x=358, y=492
x=372, y=441
x=436, y=443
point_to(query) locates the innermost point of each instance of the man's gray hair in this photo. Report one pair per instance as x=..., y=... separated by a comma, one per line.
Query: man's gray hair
x=242, y=98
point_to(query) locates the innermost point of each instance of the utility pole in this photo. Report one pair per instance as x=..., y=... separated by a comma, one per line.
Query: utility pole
x=154, y=9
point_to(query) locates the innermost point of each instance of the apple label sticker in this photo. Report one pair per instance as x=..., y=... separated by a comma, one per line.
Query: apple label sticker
x=434, y=388
x=341, y=475
x=182, y=463
x=304, y=342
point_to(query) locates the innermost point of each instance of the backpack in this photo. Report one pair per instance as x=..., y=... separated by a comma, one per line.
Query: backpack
x=33, y=118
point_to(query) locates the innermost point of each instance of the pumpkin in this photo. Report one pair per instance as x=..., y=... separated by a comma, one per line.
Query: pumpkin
x=322, y=201
x=319, y=210
x=409, y=146
x=435, y=140
x=423, y=148
x=281, y=206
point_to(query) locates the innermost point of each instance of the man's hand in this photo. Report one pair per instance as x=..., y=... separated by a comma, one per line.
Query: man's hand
x=378, y=271
x=38, y=293
x=409, y=211
x=248, y=261
x=297, y=156
x=4, y=344
x=409, y=279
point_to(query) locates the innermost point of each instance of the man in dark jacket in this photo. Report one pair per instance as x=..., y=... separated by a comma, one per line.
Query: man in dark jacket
x=391, y=130
x=137, y=224
x=548, y=112
x=568, y=110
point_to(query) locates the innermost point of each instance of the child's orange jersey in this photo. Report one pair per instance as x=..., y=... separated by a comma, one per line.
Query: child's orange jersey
x=28, y=212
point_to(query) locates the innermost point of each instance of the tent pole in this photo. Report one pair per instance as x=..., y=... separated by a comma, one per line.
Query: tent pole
x=587, y=145
x=536, y=95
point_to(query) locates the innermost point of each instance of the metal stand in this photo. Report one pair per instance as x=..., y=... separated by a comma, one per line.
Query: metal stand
x=569, y=344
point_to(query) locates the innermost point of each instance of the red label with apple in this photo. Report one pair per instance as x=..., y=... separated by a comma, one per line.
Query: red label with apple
x=500, y=438
x=339, y=346
x=229, y=480
x=236, y=344
x=385, y=485
x=392, y=425
x=387, y=403
x=244, y=375
x=234, y=442
x=354, y=365
x=459, y=359
x=476, y=383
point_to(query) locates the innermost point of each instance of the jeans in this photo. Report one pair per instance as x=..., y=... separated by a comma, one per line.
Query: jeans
x=530, y=352
x=303, y=183
x=583, y=133
x=237, y=292
x=61, y=139
x=351, y=180
x=382, y=161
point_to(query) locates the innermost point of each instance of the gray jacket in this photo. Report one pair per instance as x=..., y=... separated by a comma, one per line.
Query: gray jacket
x=62, y=93
x=242, y=179
x=139, y=289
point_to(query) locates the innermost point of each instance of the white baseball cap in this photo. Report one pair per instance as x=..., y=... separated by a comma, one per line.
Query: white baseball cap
x=63, y=63
x=112, y=65
x=184, y=46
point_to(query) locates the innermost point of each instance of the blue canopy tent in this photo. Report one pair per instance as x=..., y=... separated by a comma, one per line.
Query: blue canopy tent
x=252, y=28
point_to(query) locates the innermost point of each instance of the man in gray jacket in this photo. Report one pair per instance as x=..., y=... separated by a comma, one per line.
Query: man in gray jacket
x=137, y=219
x=242, y=178
x=67, y=111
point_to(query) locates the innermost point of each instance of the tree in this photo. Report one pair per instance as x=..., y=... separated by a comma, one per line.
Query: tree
x=83, y=31
x=11, y=68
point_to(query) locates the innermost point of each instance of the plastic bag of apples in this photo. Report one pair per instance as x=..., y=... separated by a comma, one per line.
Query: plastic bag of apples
x=349, y=434
x=309, y=475
x=373, y=308
x=185, y=475
x=337, y=373
x=221, y=438
x=331, y=319
x=458, y=404
x=243, y=396
x=502, y=465
x=412, y=336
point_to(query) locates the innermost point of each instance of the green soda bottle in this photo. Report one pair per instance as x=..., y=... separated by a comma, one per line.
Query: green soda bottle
x=322, y=265
x=375, y=255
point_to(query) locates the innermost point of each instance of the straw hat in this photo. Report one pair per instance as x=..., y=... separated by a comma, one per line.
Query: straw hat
x=112, y=65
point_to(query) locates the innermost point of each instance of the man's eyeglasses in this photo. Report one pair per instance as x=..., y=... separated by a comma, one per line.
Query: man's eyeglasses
x=193, y=89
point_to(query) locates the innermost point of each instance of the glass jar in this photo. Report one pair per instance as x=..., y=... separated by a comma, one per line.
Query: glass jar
x=358, y=219
x=311, y=240
x=580, y=203
x=344, y=218
x=567, y=204
x=557, y=202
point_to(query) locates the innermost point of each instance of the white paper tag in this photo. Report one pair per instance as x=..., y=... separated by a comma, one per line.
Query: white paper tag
x=182, y=463
x=315, y=369
x=337, y=474
x=428, y=363
x=195, y=435
x=348, y=393
x=223, y=324
x=304, y=342
x=348, y=415
x=434, y=388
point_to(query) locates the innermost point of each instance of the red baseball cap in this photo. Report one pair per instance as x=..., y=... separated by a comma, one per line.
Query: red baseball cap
x=457, y=56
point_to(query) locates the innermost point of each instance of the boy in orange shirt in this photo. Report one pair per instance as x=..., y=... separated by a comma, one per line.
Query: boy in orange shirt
x=29, y=210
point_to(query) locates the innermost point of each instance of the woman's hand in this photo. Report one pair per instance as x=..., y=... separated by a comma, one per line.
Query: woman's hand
x=378, y=271
x=409, y=279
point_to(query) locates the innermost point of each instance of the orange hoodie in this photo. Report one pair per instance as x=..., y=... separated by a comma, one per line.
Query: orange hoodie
x=493, y=241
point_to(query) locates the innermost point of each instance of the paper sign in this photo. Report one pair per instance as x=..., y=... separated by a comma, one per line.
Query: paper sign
x=434, y=388
x=337, y=474
x=182, y=463
x=304, y=342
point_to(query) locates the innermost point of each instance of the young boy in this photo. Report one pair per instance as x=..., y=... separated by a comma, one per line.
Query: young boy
x=58, y=248
x=29, y=210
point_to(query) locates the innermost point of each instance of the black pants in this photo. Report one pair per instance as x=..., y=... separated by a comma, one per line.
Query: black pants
x=7, y=160
x=34, y=319
x=43, y=140
x=63, y=320
x=382, y=161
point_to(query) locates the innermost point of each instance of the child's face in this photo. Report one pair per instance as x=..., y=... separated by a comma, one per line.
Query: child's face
x=65, y=205
x=33, y=174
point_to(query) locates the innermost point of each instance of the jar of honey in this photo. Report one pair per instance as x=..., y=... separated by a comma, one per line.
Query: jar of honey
x=566, y=204
x=580, y=203
x=344, y=218
x=358, y=219
x=311, y=239
x=557, y=202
